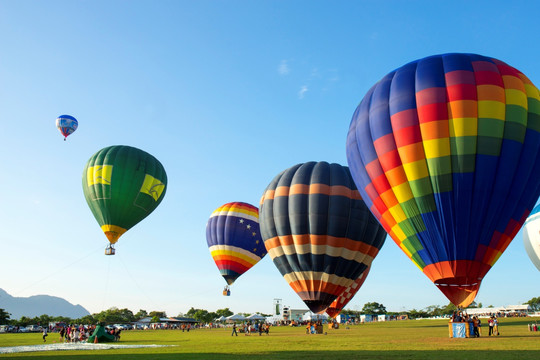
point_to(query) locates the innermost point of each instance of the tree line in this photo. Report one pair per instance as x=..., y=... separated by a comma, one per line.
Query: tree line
x=123, y=316
x=114, y=316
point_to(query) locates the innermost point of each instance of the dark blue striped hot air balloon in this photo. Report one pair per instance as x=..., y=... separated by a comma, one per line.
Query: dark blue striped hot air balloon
x=318, y=231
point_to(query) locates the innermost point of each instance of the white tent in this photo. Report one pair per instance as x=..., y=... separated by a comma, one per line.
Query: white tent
x=477, y=311
x=236, y=317
x=221, y=318
x=310, y=316
x=524, y=308
x=255, y=317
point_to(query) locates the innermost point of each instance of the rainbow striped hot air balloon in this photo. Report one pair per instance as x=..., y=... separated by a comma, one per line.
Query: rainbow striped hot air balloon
x=318, y=231
x=446, y=153
x=234, y=239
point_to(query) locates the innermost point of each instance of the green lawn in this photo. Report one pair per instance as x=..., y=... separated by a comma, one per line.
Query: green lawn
x=423, y=339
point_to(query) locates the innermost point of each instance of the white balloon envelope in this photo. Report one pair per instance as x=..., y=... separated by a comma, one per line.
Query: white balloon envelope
x=531, y=236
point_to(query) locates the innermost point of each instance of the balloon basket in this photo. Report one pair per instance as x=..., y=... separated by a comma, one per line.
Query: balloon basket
x=109, y=250
x=226, y=291
x=460, y=330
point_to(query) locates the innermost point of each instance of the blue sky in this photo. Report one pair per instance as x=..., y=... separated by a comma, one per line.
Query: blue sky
x=226, y=94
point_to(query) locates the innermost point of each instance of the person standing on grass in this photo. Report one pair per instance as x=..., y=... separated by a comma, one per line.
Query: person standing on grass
x=490, y=324
x=495, y=326
x=234, y=330
x=45, y=334
x=479, y=326
x=475, y=326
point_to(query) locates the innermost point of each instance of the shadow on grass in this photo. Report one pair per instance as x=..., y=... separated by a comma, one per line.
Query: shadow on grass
x=311, y=355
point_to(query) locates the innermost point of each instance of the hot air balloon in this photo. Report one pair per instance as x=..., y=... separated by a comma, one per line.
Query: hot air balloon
x=531, y=236
x=234, y=240
x=346, y=296
x=318, y=231
x=122, y=185
x=67, y=125
x=445, y=152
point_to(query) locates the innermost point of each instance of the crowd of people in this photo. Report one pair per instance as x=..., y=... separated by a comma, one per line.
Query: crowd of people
x=76, y=333
x=248, y=328
x=463, y=317
x=314, y=327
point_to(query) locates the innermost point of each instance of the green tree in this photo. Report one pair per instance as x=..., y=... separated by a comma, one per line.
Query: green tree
x=115, y=316
x=191, y=312
x=44, y=320
x=63, y=319
x=449, y=309
x=4, y=317
x=87, y=320
x=155, y=319
x=224, y=312
x=202, y=316
x=160, y=314
x=434, y=310
x=23, y=321
x=417, y=314
x=141, y=314
x=373, y=308
x=534, y=303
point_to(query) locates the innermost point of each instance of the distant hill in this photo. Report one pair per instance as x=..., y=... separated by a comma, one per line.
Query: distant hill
x=38, y=305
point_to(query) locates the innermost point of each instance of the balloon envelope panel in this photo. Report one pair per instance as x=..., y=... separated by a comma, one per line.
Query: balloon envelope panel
x=122, y=185
x=234, y=239
x=531, y=236
x=346, y=296
x=318, y=231
x=445, y=152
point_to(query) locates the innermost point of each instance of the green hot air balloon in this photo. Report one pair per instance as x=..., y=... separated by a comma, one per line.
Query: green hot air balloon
x=122, y=185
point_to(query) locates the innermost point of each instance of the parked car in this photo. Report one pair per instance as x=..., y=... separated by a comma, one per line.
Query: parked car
x=34, y=328
x=23, y=329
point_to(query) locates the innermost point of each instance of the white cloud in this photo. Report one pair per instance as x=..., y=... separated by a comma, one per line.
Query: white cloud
x=283, y=68
x=302, y=91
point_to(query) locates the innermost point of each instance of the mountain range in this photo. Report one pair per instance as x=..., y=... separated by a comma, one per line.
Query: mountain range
x=38, y=305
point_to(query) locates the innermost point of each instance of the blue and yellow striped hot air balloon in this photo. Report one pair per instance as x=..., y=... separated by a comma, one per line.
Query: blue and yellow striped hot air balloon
x=318, y=231
x=446, y=153
x=234, y=239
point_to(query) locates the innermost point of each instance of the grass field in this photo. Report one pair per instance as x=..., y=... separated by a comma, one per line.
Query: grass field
x=422, y=339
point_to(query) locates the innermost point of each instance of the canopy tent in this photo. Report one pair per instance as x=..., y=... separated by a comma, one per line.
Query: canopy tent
x=500, y=309
x=221, y=318
x=523, y=307
x=236, y=317
x=255, y=317
x=310, y=316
